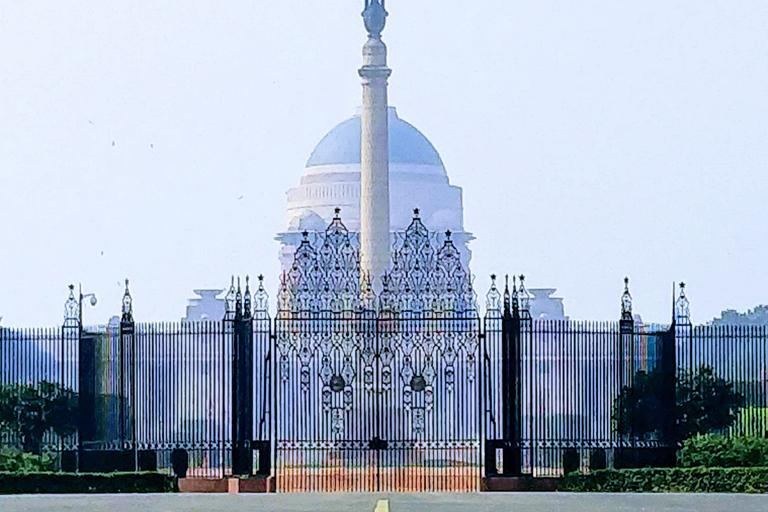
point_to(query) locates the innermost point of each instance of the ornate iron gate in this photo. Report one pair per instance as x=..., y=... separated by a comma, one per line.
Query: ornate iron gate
x=350, y=391
x=377, y=393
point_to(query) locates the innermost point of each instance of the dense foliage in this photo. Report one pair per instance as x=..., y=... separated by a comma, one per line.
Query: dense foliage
x=724, y=452
x=705, y=403
x=734, y=480
x=79, y=483
x=22, y=462
x=30, y=411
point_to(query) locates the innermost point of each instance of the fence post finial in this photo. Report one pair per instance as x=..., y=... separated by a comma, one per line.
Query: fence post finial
x=238, y=300
x=493, y=297
x=71, y=309
x=127, y=305
x=626, y=302
x=682, y=308
x=515, y=297
x=507, y=301
x=230, y=300
x=525, y=298
x=247, y=298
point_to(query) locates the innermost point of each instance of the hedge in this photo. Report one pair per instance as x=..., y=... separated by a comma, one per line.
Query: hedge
x=741, y=480
x=716, y=451
x=81, y=483
x=17, y=461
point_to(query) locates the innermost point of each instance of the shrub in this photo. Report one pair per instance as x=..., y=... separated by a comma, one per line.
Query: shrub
x=22, y=462
x=30, y=411
x=79, y=483
x=740, y=480
x=726, y=452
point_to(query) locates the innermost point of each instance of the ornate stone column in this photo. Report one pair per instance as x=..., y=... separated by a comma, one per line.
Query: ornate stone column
x=374, y=151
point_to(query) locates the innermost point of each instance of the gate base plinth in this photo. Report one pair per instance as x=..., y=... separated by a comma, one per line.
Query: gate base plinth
x=257, y=484
x=203, y=485
x=518, y=484
x=227, y=485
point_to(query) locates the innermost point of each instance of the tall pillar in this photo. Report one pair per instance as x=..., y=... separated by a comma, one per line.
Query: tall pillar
x=374, y=151
x=510, y=383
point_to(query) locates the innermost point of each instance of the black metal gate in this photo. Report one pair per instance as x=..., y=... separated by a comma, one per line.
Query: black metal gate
x=552, y=389
x=377, y=393
x=348, y=390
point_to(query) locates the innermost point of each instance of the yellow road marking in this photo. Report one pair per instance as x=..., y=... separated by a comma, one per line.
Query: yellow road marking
x=382, y=506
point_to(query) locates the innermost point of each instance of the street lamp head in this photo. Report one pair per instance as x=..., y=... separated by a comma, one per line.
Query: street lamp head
x=93, y=300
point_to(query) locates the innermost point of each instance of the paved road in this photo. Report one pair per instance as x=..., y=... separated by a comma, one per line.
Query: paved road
x=495, y=502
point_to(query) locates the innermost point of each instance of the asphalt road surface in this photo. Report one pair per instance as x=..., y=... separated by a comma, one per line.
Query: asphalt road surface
x=491, y=502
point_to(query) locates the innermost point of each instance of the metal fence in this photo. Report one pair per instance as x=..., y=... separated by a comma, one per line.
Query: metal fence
x=410, y=390
x=342, y=381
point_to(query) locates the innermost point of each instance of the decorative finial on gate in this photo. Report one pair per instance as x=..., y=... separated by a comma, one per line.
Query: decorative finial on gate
x=230, y=300
x=416, y=213
x=71, y=309
x=238, y=299
x=682, y=308
x=260, y=300
x=247, y=298
x=337, y=214
x=515, y=296
x=525, y=298
x=507, y=301
x=626, y=302
x=127, y=305
x=492, y=298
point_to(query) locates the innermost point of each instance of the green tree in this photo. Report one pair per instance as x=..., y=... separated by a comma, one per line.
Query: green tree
x=28, y=412
x=704, y=403
x=707, y=403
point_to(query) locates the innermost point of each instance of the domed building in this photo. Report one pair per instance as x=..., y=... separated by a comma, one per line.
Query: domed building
x=417, y=179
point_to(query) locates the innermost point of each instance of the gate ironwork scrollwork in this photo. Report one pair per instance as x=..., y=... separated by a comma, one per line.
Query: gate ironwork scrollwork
x=361, y=369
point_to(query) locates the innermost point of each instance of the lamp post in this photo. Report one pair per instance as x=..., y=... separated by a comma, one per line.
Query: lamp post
x=85, y=368
x=80, y=302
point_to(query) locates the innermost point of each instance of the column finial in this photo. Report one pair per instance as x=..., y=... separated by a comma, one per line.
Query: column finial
x=375, y=17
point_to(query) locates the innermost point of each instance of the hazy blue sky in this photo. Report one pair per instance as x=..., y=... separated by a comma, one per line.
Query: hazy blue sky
x=593, y=140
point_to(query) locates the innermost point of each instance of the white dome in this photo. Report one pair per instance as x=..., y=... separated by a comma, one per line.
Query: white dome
x=417, y=176
x=407, y=145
